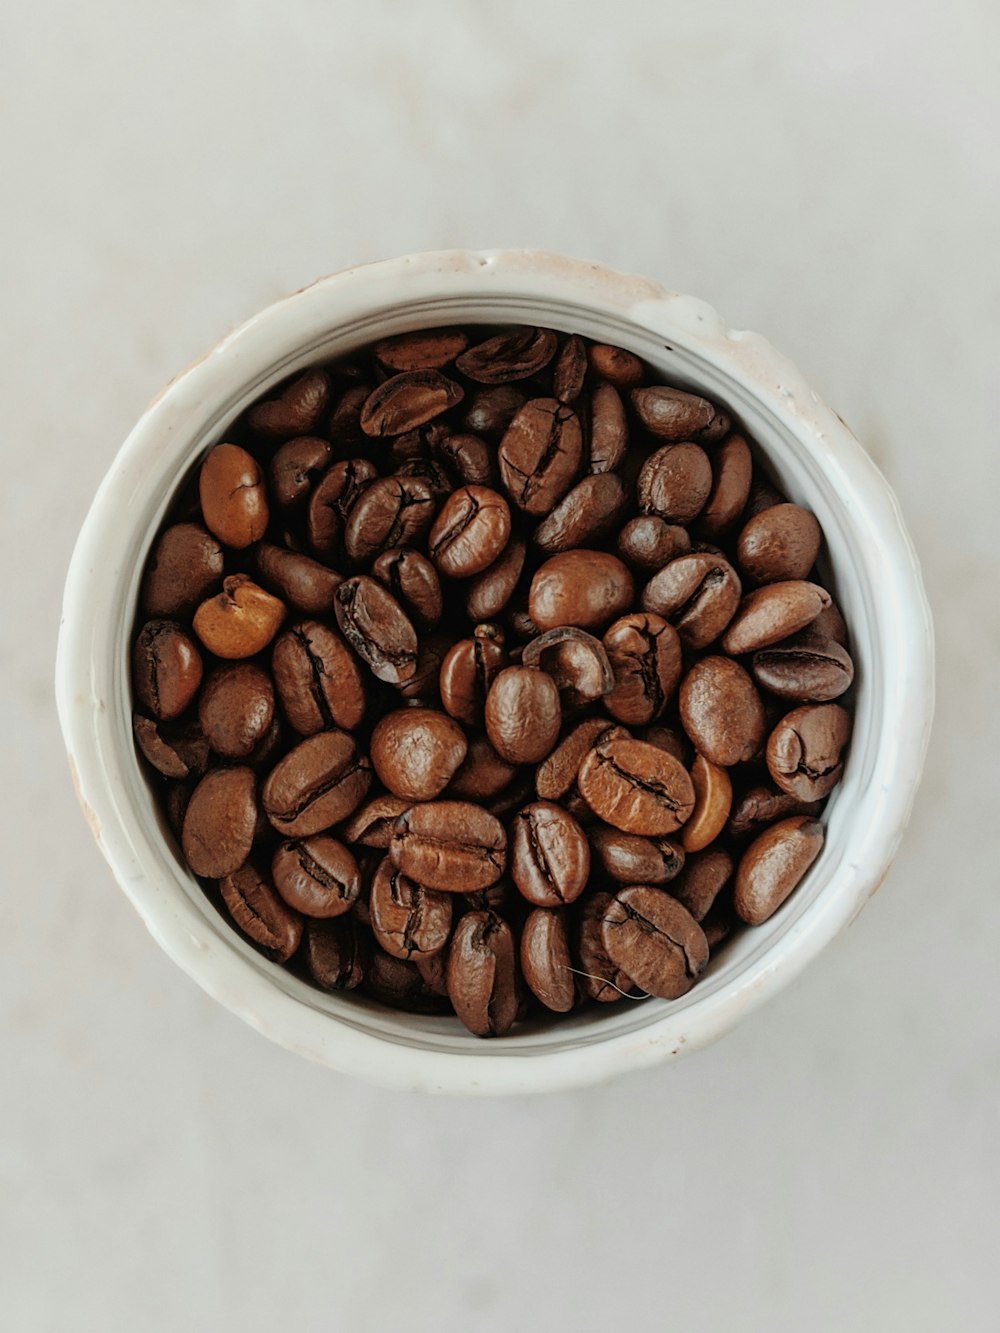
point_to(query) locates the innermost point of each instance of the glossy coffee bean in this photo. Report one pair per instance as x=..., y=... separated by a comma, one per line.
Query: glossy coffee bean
x=632, y=859
x=762, y=805
x=236, y=709
x=645, y=657
x=453, y=846
x=620, y=368
x=705, y=875
x=649, y=542
x=417, y=751
x=470, y=532
x=778, y=544
x=713, y=797
x=414, y=582
x=672, y=414
x=240, y=621
x=407, y=919
x=377, y=628
x=425, y=349
x=408, y=400
x=233, y=496
x=318, y=679
x=804, y=668
x=805, y=751
x=332, y=499
x=468, y=670
x=483, y=775
x=296, y=409
x=584, y=516
x=515, y=354
x=545, y=959
x=333, y=953
x=675, y=483
x=166, y=669
x=698, y=593
x=219, y=822
x=732, y=474
x=261, y=914
x=469, y=457
x=636, y=787
x=482, y=980
x=317, y=784
x=556, y=774
x=549, y=855
x=523, y=714
x=772, y=613
x=391, y=511
x=721, y=711
x=540, y=454
x=316, y=876
x=186, y=563
x=655, y=940
x=296, y=579
x=607, y=437
x=583, y=588
x=597, y=976
x=773, y=865
x=296, y=467
x=490, y=411
x=570, y=369
x=487, y=594
x=371, y=824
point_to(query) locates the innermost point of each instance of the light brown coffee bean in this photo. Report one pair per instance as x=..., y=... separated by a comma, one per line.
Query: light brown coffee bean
x=487, y=594
x=219, y=822
x=236, y=709
x=698, y=594
x=408, y=400
x=261, y=914
x=555, y=775
x=586, y=589
x=713, y=796
x=453, y=846
x=607, y=437
x=779, y=544
x=523, y=714
x=732, y=473
x=545, y=959
x=675, y=482
x=576, y=661
x=672, y=414
x=240, y=621
x=316, y=876
x=645, y=656
x=233, y=496
x=470, y=532
x=585, y=515
x=185, y=565
x=649, y=542
x=620, y=368
x=417, y=751
x=636, y=787
x=468, y=670
x=805, y=750
x=414, y=582
x=773, y=865
x=804, y=668
x=317, y=784
x=772, y=613
x=408, y=920
x=721, y=711
x=424, y=349
x=483, y=775
x=482, y=981
x=655, y=940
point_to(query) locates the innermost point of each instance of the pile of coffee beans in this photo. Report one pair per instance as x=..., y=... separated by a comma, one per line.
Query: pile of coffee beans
x=485, y=671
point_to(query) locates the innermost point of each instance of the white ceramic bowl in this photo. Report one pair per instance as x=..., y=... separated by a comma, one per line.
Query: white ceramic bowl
x=871, y=567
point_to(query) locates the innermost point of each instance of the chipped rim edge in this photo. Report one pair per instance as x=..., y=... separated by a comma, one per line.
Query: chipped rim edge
x=535, y=275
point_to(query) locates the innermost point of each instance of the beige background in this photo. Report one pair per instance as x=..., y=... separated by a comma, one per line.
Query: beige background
x=826, y=173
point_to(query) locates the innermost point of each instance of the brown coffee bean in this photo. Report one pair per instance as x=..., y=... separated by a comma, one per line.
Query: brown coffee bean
x=829, y=624
x=470, y=532
x=300, y=582
x=236, y=709
x=549, y=855
x=470, y=457
x=316, y=876
x=407, y=400
x=261, y=914
x=233, y=496
x=584, y=588
x=732, y=473
x=760, y=806
x=176, y=752
x=414, y=582
x=584, y=515
x=185, y=565
x=468, y=670
x=483, y=775
x=713, y=796
x=296, y=467
x=487, y=594
x=219, y=822
x=705, y=875
x=545, y=959
x=773, y=865
x=407, y=919
x=333, y=953
x=779, y=544
x=620, y=368
x=721, y=711
x=804, y=668
x=482, y=982
x=657, y=941
x=433, y=969
x=515, y=354
x=523, y=714
x=556, y=775
x=607, y=430
x=539, y=455
x=372, y=824
x=449, y=845
x=576, y=661
x=332, y=499
x=698, y=593
x=318, y=679
x=636, y=787
x=772, y=613
x=392, y=511
x=425, y=349
x=597, y=976
x=344, y=422
x=672, y=414
x=398, y=983
x=377, y=628
x=416, y=752
x=166, y=669
x=570, y=370
x=650, y=542
x=671, y=739
x=805, y=750
x=675, y=482
x=645, y=656
x=317, y=784
x=631, y=859
x=240, y=621
x=296, y=410
x=490, y=411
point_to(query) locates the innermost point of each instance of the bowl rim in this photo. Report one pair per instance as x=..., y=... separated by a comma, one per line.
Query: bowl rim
x=82, y=687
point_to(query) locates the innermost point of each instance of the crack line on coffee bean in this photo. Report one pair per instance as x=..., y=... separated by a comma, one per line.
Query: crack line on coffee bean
x=538, y=852
x=319, y=872
x=648, y=928
x=712, y=580
x=309, y=798
x=649, y=674
x=316, y=687
x=474, y=849
x=646, y=784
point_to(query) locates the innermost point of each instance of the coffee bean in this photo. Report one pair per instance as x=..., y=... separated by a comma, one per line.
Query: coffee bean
x=732, y=473
x=586, y=589
x=333, y=953
x=240, y=621
x=620, y=368
x=645, y=656
x=185, y=565
x=332, y=499
x=636, y=787
x=377, y=628
x=296, y=467
x=570, y=370
x=760, y=806
x=805, y=750
x=166, y=669
x=515, y=354
x=449, y=845
x=577, y=663
x=468, y=670
x=545, y=959
x=650, y=542
x=470, y=532
x=417, y=751
x=523, y=714
x=488, y=593
x=372, y=824
x=316, y=876
x=597, y=976
x=233, y=496
x=631, y=859
x=655, y=940
x=713, y=796
x=706, y=873
x=698, y=593
x=539, y=455
x=219, y=822
x=297, y=580
x=804, y=668
x=295, y=411
x=425, y=349
x=483, y=775
x=829, y=624
x=236, y=709
x=675, y=482
x=413, y=581
x=556, y=775
x=778, y=544
x=318, y=679
x=398, y=983
x=549, y=855
x=773, y=613
x=671, y=414
x=670, y=739
x=318, y=783
x=482, y=983
x=583, y=516
x=261, y=914
x=433, y=969
x=490, y=411
x=407, y=400
x=344, y=423
x=721, y=711
x=408, y=919
x=773, y=865
x=176, y=752
x=470, y=457
x=392, y=511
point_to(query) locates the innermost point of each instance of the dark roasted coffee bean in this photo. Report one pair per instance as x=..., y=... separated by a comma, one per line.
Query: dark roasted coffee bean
x=407, y=919
x=597, y=976
x=721, y=711
x=804, y=668
x=645, y=657
x=539, y=455
x=483, y=775
x=636, y=787
x=299, y=581
x=316, y=876
x=240, y=621
x=549, y=855
x=332, y=500
x=515, y=354
x=176, y=752
x=470, y=532
x=650, y=542
x=576, y=661
x=482, y=983
x=219, y=822
x=344, y=423
x=468, y=670
x=584, y=588
x=296, y=467
x=233, y=496
x=584, y=516
x=422, y=686
x=185, y=565
x=805, y=750
x=490, y=411
x=732, y=473
x=449, y=845
x=408, y=400
x=318, y=679
x=487, y=594
x=545, y=959
x=393, y=511
x=778, y=544
x=760, y=806
x=296, y=409
x=333, y=953
x=523, y=714
x=631, y=859
x=773, y=613
x=713, y=796
x=261, y=914
x=705, y=875
x=372, y=824
x=377, y=628
x=470, y=457
x=398, y=983
x=570, y=369
x=236, y=709
x=655, y=940
x=166, y=669
x=426, y=349
x=620, y=368
x=675, y=482
x=318, y=783
x=555, y=776
x=698, y=593
x=417, y=751
x=607, y=437
x=520, y=623
x=672, y=414
x=414, y=582
x=773, y=865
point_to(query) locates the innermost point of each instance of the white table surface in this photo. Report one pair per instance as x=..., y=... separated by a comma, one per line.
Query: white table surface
x=825, y=173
